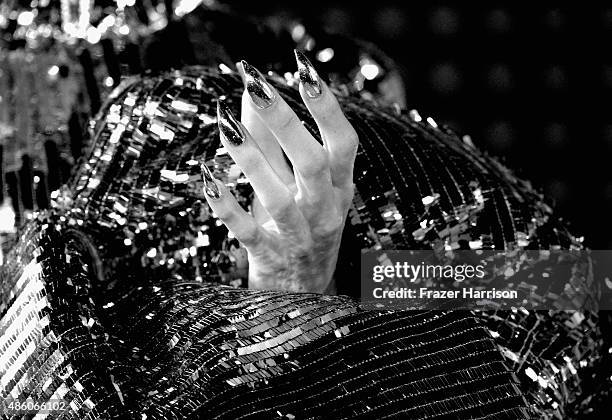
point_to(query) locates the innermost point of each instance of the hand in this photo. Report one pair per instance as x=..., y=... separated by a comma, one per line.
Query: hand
x=293, y=236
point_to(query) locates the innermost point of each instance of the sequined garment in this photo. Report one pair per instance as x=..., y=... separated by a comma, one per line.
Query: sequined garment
x=113, y=302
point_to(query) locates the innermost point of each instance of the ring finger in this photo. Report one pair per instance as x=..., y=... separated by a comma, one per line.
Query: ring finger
x=273, y=193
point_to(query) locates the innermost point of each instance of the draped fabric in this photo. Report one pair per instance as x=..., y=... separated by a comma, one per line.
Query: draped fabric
x=116, y=300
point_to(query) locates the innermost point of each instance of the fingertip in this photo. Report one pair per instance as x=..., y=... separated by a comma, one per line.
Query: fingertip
x=231, y=129
x=311, y=85
x=263, y=94
x=315, y=100
x=227, y=209
x=221, y=202
x=211, y=189
x=223, y=191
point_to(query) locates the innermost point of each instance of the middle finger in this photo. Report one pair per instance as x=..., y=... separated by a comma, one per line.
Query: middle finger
x=275, y=196
x=309, y=159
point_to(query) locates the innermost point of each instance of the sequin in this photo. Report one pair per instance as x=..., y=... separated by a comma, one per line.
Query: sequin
x=175, y=342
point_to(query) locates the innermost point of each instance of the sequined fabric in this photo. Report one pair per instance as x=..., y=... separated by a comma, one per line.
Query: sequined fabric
x=113, y=299
x=179, y=348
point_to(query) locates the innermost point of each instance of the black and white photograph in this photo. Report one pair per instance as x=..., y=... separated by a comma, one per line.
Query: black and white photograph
x=217, y=209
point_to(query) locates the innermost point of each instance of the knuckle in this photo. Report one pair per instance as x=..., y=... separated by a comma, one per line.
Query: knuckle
x=351, y=138
x=282, y=207
x=285, y=119
x=347, y=194
x=331, y=227
x=303, y=249
x=249, y=234
x=317, y=163
x=346, y=148
x=351, y=135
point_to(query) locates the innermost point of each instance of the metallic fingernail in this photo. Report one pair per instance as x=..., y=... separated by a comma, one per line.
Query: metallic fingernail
x=308, y=75
x=210, y=186
x=229, y=126
x=261, y=92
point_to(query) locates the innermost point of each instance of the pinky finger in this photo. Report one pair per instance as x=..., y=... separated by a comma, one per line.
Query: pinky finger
x=224, y=205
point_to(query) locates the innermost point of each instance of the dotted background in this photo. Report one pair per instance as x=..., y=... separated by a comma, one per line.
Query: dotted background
x=529, y=84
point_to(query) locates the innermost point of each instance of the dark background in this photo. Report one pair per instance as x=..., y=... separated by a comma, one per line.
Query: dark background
x=530, y=82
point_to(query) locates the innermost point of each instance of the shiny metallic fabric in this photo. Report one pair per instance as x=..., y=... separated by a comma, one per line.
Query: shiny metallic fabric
x=113, y=301
x=184, y=349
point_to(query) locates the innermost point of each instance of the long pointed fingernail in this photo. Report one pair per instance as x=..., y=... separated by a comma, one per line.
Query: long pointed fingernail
x=308, y=75
x=210, y=186
x=229, y=126
x=261, y=92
